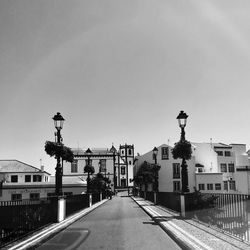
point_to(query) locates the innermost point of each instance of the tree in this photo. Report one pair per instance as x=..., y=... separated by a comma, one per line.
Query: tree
x=146, y=174
x=90, y=170
x=97, y=183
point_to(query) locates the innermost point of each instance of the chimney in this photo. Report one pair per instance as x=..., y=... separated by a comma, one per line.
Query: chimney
x=42, y=168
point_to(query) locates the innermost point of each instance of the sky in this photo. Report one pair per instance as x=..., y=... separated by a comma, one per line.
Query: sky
x=120, y=72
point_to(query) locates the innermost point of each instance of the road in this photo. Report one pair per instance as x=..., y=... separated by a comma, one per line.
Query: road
x=118, y=224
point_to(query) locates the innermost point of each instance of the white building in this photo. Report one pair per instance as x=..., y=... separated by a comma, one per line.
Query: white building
x=170, y=172
x=213, y=168
x=220, y=167
x=20, y=181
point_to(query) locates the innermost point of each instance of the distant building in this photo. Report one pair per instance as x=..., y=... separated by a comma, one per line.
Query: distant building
x=125, y=170
x=113, y=164
x=20, y=181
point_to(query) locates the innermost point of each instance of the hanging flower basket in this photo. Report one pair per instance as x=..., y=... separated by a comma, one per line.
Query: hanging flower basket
x=182, y=150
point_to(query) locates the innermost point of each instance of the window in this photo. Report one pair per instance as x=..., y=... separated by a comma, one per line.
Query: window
x=122, y=170
x=220, y=153
x=129, y=152
x=210, y=186
x=176, y=186
x=16, y=197
x=27, y=178
x=102, y=165
x=217, y=186
x=164, y=153
x=231, y=167
x=225, y=185
x=223, y=167
x=34, y=196
x=201, y=186
x=129, y=162
x=14, y=178
x=232, y=185
x=37, y=178
x=74, y=166
x=227, y=153
x=176, y=171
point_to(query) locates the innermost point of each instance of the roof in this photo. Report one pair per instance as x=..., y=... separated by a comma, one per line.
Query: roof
x=14, y=166
x=70, y=180
x=214, y=145
x=95, y=151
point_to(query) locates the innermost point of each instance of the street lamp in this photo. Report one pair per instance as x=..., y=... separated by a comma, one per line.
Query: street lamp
x=155, y=153
x=88, y=152
x=182, y=119
x=58, y=121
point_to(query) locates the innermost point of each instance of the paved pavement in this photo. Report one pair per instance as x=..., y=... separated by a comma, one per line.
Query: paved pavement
x=189, y=233
x=118, y=224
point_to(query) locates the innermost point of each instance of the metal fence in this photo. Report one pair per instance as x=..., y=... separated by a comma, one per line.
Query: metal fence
x=74, y=203
x=18, y=218
x=228, y=212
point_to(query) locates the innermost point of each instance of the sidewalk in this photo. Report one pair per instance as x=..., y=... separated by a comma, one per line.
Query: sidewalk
x=51, y=230
x=188, y=233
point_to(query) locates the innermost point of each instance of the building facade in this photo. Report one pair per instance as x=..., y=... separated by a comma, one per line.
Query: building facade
x=116, y=165
x=213, y=168
x=221, y=168
x=170, y=171
x=19, y=181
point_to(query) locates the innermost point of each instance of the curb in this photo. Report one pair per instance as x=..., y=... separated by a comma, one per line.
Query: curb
x=183, y=241
x=42, y=235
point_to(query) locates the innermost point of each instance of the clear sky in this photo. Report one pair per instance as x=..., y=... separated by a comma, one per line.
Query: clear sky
x=120, y=71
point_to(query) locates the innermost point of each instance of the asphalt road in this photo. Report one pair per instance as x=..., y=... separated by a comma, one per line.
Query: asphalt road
x=118, y=224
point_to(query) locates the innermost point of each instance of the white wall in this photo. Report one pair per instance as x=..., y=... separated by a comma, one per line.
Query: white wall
x=209, y=178
x=241, y=156
x=166, y=172
x=205, y=155
x=21, y=176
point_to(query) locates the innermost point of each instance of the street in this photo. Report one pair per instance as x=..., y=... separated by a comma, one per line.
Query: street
x=118, y=224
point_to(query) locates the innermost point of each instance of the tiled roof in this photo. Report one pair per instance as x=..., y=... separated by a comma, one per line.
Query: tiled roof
x=13, y=166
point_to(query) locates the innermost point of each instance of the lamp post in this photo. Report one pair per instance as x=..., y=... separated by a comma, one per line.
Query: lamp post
x=182, y=119
x=58, y=121
x=155, y=153
x=88, y=152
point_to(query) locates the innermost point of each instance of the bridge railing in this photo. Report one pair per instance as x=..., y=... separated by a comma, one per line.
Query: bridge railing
x=20, y=218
